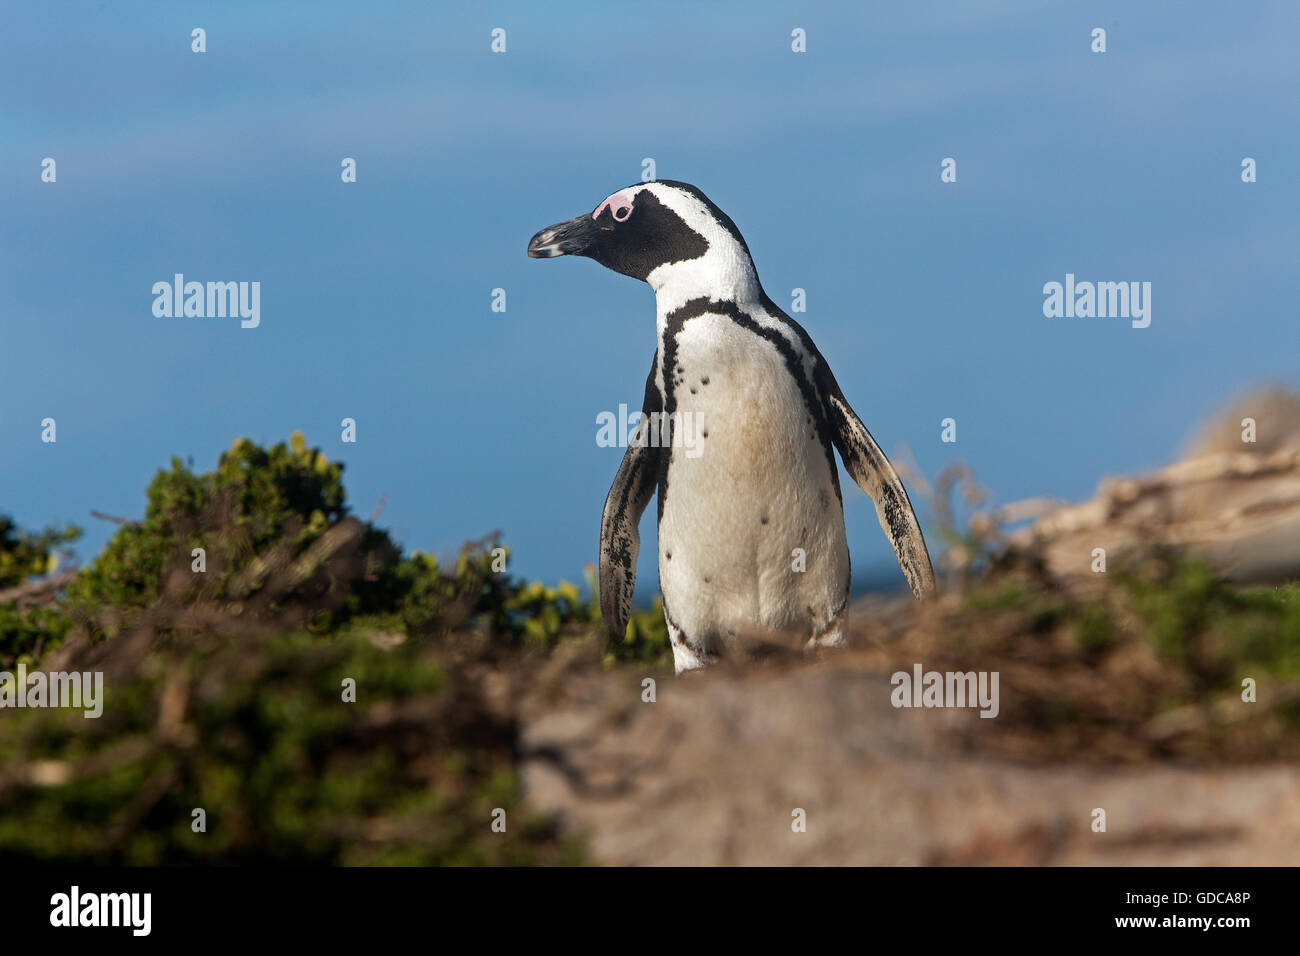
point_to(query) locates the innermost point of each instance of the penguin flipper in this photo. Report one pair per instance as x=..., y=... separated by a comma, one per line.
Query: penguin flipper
x=875, y=475
x=620, y=541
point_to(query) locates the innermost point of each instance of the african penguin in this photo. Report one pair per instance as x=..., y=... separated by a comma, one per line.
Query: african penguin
x=744, y=380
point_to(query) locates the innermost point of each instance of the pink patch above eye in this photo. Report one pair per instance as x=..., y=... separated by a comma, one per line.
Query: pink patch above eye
x=618, y=205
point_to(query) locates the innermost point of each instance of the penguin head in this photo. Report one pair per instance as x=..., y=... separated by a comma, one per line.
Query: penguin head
x=658, y=232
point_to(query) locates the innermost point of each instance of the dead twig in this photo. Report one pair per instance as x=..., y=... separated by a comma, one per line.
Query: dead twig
x=34, y=591
x=116, y=519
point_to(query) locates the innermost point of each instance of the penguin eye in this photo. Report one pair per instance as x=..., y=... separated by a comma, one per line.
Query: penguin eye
x=619, y=207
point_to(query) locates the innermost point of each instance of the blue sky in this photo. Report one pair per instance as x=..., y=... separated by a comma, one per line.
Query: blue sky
x=375, y=296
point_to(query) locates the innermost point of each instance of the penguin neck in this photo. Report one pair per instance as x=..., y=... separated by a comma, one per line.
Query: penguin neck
x=723, y=274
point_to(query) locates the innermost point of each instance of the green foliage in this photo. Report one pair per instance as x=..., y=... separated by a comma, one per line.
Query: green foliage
x=433, y=600
x=1175, y=603
x=256, y=732
x=224, y=685
x=27, y=629
x=24, y=555
x=1200, y=620
x=540, y=614
x=259, y=511
x=1144, y=661
x=998, y=595
x=520, y=615
x=259, y=516
x=1096, y=628
x=27, y=632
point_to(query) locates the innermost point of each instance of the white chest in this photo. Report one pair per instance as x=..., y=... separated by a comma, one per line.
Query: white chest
x=752, y=531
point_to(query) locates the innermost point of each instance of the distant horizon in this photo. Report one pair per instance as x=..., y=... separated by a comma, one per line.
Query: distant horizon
x=879, y=579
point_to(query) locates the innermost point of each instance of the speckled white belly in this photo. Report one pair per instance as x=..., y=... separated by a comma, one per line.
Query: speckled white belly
x=756, y=504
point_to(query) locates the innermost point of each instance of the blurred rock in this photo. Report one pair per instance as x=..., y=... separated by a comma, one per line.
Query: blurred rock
x=711, y=773
x=1235, y=503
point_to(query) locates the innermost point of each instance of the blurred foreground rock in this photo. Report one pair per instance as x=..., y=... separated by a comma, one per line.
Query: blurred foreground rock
x=1235, y=503
x=711, y=772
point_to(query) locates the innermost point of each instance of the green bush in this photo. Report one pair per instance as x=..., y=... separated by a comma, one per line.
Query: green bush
x=1215, y=629
x=255, y=732
x=26, y=628
x=257, y=516
x=224, y=687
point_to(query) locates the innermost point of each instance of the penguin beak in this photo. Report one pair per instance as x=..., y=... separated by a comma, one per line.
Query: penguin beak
x=572, y=238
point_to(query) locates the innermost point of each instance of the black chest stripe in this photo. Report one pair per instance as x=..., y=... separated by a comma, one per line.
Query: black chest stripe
x=703, y=305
